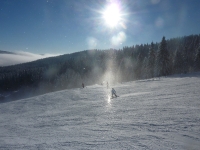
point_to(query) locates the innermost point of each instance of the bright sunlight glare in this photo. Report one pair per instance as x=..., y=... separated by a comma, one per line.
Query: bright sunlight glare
x=112, y=15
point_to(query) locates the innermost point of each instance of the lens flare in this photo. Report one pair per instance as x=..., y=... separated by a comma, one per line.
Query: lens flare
x=109, y=100
x=118, y=39
x=155, y=1
x=92, y=42
x=159, y=22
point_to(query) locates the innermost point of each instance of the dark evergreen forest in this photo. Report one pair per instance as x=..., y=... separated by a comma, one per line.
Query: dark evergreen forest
x=173, y=56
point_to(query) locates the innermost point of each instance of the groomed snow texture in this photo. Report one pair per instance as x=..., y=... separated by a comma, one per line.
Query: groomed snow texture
x=155, y=114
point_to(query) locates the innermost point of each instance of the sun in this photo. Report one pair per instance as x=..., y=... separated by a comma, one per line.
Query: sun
x=112, y=15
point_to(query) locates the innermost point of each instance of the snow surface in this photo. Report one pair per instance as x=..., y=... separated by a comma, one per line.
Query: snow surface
x=162, y=113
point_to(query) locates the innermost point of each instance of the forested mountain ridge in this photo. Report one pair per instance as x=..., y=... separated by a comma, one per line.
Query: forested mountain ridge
x=177, y=55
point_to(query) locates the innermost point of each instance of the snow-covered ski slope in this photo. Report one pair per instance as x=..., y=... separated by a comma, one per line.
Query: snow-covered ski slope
x=154, y=114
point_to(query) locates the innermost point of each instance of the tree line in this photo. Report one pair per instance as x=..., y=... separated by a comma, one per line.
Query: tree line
x=173, y=56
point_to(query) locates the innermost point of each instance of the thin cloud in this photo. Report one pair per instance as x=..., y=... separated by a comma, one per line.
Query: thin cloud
x=21, y=57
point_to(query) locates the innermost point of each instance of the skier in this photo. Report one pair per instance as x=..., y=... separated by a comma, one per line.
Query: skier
x=113, y=92
x=83, y=85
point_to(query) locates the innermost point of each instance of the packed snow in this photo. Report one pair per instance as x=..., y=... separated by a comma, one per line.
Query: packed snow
x=159, y=113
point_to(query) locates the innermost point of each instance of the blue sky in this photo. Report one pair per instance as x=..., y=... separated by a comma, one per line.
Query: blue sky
x=67, y=26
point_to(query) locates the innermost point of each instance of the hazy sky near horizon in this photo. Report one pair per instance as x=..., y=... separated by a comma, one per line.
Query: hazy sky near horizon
x=66, y=26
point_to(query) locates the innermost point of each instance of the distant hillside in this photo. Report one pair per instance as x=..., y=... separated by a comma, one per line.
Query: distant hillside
x=48, y=61
x=43, y=75
x=6, y=52
x=20, y=57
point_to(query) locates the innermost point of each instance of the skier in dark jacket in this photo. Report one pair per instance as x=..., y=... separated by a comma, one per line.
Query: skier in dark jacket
x=83, y=85
x=113, y=92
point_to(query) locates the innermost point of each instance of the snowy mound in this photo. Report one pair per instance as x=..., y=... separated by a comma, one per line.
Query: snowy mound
x=153, y=114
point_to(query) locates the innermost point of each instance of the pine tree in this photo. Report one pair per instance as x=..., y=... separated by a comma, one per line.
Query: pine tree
x=144, y=69
x=151, y=61
x=162, y=60
x=138, y=67
x=178, y=62
x=197, y=60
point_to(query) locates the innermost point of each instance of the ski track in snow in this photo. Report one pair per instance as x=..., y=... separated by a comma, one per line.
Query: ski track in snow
x=162, y=113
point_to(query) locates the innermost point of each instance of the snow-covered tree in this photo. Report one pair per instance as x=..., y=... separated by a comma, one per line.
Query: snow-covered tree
x=162, y=60
x=151, y=61
x=178, y=62
x=144, y=68
x=197, y=60
x=138, y=67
